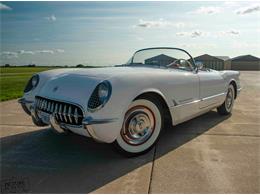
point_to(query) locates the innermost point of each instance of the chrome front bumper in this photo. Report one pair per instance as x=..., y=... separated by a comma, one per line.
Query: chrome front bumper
x=24, y=103
x=85, y=129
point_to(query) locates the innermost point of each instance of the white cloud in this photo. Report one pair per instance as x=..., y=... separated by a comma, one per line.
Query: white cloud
x=199, y=33
x=49, y=51
x=9, y=54
x=234, y=32
x=153, y=23
x=248, y=10
x=192, y=34
x=59, y=50
x=182, y=33
x=26, y=52
x=196, y=33
x=45, y=51
x=229, y=32
x=161, y=23
x=4, y=7
x=207, y=10
x=51, y=18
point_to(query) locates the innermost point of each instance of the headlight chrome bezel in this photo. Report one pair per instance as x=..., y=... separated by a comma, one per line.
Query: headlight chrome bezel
x=32, y=83
x=95, y=102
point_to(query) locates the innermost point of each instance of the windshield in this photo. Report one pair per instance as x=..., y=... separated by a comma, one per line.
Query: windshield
x=162, y=57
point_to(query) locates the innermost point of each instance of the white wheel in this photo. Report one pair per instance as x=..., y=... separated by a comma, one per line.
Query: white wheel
x=141, y=127
x=226, y=107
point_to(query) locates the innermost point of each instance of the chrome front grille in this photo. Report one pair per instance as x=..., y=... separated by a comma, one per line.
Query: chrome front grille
x=63, y=112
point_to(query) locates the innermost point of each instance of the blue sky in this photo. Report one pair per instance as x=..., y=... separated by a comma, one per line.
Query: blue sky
x=106, y=33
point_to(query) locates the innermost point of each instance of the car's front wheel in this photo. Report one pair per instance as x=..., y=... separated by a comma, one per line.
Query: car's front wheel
x=227, y=106
x=141, y=128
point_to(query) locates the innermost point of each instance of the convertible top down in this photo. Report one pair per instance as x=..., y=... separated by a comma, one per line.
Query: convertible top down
x=127, y=105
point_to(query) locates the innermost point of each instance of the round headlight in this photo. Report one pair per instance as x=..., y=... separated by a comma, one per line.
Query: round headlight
x=100, y=96
x=103, y=92
x=32, y=83
x=35, y=80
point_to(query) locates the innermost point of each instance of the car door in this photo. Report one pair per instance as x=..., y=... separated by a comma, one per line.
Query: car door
x=211, y=88
x=184, y=92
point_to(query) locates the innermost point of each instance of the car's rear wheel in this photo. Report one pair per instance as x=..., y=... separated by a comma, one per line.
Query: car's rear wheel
x=141, y=128
x=226, y=107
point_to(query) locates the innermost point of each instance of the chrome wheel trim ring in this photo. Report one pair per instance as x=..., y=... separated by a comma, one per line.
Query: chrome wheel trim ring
x=139, y=125
x=229, y=99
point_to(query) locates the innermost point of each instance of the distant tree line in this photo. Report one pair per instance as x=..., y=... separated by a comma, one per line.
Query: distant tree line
x=65, y=66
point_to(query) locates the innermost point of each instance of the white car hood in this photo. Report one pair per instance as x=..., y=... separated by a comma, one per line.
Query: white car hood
x=105, y=73
x=76, y=85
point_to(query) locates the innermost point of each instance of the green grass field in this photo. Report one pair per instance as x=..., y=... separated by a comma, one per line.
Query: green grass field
x=14, y=79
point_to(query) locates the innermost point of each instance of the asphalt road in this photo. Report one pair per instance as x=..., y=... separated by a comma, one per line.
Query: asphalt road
x=209, y=154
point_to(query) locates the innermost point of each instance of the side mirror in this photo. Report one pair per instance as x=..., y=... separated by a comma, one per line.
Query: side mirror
x=199, y=65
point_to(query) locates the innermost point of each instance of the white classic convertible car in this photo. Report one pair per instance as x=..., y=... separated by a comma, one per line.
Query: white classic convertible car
x=127, y=105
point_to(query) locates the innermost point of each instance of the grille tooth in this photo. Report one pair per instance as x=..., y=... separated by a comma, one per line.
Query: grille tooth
x=44, y=105
x=40, y=104
x=56, y=110
x=76, y=115
x=69, y=114
x=52, y=107
x=64, y=113
x=48, y=106
x=60, y=112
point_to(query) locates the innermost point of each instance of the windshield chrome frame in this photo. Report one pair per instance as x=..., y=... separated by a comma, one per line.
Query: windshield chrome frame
x=175, y=48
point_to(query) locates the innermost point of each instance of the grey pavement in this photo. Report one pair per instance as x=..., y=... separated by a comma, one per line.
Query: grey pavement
x=209, y=154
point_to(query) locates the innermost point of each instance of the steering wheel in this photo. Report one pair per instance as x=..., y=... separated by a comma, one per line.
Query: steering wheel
x=174, y=64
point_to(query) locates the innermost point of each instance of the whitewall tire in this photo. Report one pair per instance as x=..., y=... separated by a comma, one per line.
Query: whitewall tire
x=227, y=106
x=141, y=128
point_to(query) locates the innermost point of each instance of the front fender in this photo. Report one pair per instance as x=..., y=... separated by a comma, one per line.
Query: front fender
x=231, y=76
x=123, y=94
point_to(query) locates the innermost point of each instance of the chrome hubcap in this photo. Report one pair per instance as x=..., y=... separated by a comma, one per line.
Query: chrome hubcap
x=138, y=125
x=229, y=99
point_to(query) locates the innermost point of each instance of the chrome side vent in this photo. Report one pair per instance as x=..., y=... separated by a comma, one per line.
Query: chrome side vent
x=63, y=111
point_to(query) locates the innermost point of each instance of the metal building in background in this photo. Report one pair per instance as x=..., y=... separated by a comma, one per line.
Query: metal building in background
x=161, y=60
x=245, y=62
x=214, y=62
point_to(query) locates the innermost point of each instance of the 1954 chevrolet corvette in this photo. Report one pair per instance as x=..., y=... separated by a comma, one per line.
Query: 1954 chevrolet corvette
x=127, y=105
